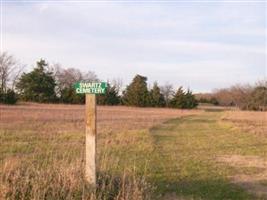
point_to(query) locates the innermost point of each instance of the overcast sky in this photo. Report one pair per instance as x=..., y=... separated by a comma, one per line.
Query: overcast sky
x=201, y=45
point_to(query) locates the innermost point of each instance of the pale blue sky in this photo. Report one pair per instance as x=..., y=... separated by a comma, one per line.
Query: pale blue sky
x=201, y=45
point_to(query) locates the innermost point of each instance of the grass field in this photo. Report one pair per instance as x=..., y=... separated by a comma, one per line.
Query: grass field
x=143, y=153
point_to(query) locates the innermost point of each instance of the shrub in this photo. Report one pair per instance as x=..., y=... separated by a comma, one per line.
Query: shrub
x=9, y=97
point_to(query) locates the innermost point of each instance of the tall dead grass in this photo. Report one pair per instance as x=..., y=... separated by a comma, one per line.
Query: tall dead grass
x=21, y=180
x=42, y=152
x=249, y=121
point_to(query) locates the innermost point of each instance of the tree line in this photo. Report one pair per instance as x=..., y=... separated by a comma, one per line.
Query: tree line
x=54, y=84
x=245, y=97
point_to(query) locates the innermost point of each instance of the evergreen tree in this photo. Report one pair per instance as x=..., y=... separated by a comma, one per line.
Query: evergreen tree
x=183, y=100
x=8, y=97
x=68, y=95
x=111, y=97
x=136, y=94
x=156, y=97
x=178, y=100
x=38, y=85
x=190, y=100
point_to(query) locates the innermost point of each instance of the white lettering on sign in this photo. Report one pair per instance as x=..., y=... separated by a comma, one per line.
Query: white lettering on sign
x=90, y=85
x=90, y=90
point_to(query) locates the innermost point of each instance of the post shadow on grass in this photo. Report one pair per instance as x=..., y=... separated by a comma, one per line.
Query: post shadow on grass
x=209, y=189
x=107, y=187
x=111, y=187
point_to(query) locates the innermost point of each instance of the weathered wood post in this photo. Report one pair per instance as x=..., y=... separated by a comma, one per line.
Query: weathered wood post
x=90, y=89
x=90, y=141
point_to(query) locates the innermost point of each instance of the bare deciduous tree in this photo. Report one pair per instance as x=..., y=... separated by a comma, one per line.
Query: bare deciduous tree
x=241, y=95
x=236, y=95
x=117, y=83
x=10, y=70
x=262, y=83
x=167, y=91
x=65, y=78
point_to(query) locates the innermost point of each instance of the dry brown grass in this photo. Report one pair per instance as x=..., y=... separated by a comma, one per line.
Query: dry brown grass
x=252, y=182
x=60, y=117
x=42, y=151
x=249, y=121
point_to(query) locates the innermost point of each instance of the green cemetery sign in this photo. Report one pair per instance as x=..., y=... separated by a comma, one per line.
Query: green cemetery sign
x=91, y=88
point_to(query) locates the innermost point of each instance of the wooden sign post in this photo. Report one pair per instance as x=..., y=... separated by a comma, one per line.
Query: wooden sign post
x=90, y=138
x=90, y=89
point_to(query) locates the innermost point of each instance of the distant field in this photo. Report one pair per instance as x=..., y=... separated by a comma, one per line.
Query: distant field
x=143, y=153
x=253, y=122
x=112, y=117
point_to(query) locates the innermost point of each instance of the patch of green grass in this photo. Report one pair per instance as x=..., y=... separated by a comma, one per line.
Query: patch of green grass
x=185, y=152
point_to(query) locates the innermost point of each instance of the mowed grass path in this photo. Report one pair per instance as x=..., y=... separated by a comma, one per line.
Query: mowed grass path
x=185, y=158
